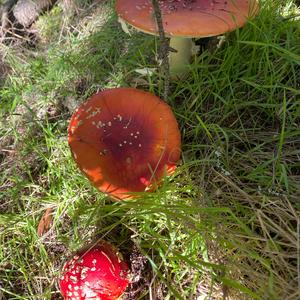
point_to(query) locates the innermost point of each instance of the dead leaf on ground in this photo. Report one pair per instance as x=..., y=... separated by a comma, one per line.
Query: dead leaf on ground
x=45, y=222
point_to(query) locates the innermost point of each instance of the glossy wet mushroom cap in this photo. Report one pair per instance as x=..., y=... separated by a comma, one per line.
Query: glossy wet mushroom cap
x=188, y=18
x=97, y=273
x=124, y=140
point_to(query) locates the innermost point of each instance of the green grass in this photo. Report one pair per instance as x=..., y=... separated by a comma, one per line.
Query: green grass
x=226, y=224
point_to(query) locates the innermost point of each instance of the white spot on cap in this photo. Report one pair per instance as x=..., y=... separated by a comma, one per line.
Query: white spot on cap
x=96, y=111
x=89, y=294
x=103, y=152
x=73, y=128
x=74, y=279
x=89, y=109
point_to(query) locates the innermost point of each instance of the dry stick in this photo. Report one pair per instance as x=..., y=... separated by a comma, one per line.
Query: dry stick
x=164, y=48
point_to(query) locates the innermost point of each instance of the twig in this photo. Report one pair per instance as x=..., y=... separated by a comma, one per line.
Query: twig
x=164, y=48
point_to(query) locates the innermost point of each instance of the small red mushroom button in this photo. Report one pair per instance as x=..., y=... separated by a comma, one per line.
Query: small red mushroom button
x=124, y=140
x=98, y=273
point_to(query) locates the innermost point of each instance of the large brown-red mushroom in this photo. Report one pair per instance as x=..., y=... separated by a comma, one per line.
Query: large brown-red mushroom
x=124, y=140
x=186, y=19
x=98, y=273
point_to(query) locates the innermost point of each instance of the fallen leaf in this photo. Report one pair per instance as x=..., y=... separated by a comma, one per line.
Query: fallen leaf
x=124, y=26
x=146, y=71
x=45, y=222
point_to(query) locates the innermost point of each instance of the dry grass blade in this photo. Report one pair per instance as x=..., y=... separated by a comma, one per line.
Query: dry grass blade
x=273, y=239
x=45, y=222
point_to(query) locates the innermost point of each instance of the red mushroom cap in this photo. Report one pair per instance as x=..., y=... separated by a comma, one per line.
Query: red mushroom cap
x=188, y=18
x=124, y=140
x=98, y=273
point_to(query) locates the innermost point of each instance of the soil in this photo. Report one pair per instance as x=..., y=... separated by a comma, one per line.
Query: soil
x=139, y=270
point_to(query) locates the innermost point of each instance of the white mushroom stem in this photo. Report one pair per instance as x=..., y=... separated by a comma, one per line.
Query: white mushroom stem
x=180, y=60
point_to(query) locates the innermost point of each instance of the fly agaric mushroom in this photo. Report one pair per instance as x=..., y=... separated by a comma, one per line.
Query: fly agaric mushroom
x=96, y=273
x=186, y=19
x=124, y=140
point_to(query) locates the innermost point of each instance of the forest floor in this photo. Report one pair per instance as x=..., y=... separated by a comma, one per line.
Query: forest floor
x=226, y=225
